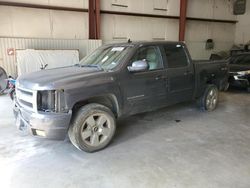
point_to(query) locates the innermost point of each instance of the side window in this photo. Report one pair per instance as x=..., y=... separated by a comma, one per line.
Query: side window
x=176, y=56
x=151, y=55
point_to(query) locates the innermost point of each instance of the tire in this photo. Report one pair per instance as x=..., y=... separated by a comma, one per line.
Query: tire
x=209, y=100
x=92, y=127
x=226, y=87
x=3, y=83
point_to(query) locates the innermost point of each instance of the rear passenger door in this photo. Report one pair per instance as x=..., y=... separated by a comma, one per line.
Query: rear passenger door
x=180, y=73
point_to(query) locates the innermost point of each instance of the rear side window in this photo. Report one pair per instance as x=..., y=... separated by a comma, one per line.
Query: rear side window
x=176, y=56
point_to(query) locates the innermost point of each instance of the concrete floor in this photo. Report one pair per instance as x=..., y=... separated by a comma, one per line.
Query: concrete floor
x=149, y=150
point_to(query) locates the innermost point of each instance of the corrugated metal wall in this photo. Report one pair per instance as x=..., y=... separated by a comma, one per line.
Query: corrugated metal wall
x=8, y=62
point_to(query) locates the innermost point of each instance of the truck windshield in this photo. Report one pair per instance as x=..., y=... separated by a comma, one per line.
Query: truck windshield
x=240, y=60
x=106, y=58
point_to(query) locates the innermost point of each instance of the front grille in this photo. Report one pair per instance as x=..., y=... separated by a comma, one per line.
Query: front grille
x=26, y=98
x=26, y=103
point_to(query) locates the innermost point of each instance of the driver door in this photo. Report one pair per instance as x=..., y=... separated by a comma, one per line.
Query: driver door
x=145, y=91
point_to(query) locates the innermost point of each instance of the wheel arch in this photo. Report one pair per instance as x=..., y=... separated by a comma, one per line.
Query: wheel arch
x=108, y=100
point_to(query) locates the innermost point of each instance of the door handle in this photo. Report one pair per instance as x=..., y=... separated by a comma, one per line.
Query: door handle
x=187, y=73
x=223, y=68
x=159, y=77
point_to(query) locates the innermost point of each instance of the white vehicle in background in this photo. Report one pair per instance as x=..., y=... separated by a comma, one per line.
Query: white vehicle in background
x=31, y=60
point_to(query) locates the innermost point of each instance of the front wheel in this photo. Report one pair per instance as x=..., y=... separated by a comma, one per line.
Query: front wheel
x=92, y=128
x=209, y=100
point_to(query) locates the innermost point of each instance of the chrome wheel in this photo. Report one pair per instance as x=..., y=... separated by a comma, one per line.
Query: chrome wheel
x=96, y=129
x=212, y=99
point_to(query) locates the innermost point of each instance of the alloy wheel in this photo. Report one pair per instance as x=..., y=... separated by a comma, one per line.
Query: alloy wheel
x=96, y=129
x=211, y=100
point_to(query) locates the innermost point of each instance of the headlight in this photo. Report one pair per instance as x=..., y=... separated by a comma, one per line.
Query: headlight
x=51, y=101
x=244, y=72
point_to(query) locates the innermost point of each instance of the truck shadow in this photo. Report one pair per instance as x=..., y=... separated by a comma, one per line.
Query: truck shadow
x=237, y=90
x=137, y=125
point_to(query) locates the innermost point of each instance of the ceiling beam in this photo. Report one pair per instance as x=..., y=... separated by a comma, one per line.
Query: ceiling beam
x=39, y=6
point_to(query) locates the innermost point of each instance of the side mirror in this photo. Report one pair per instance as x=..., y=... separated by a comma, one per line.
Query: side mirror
x=138, y=66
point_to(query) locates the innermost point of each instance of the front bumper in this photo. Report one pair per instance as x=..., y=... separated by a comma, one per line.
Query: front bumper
x=47, y=125
x=240, y=81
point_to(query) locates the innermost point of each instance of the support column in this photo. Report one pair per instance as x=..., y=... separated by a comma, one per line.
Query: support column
x=94, y=19
x=182, y=21
x=98, y=18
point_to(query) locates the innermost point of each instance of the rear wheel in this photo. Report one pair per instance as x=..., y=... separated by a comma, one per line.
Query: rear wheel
x=209, y=100
x=92, y=128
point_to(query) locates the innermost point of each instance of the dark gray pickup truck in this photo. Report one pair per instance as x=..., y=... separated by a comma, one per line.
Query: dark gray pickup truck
x=115, y=80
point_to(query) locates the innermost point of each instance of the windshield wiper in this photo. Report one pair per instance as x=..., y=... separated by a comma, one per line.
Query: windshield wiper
x=95, y=66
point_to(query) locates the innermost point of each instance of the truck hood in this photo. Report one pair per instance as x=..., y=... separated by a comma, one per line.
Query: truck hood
x=58, y=78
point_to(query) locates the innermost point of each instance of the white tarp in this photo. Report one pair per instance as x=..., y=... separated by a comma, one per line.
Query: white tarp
x=33, y=60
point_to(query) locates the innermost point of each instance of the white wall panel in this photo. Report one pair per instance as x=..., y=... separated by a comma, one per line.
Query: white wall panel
x=132, y=6
x=160, y=4
x=120, y=2
x=201, y=31
x=200, y=8
x=212, y=9
x=69, y=25
x=223, y=9
x=42, y=23
x=217, y=9
x=143, y=6
x=223, y=32
x=121, y=28
x=27, y=22
x=69, y=3
x=197, y=31
x=5, y=21
x=172, y=30
x=173, y=7
x=242, y=34
x=158, y=29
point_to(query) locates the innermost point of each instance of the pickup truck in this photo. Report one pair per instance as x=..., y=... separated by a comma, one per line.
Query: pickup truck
x=116, y=80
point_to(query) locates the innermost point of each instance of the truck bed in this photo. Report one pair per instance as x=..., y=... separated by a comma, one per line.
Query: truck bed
x=210, y=70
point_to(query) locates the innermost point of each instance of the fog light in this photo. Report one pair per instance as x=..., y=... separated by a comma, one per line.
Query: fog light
x=40, y=133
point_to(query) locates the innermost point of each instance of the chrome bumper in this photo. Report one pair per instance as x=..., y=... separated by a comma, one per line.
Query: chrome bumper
x=47, y=125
